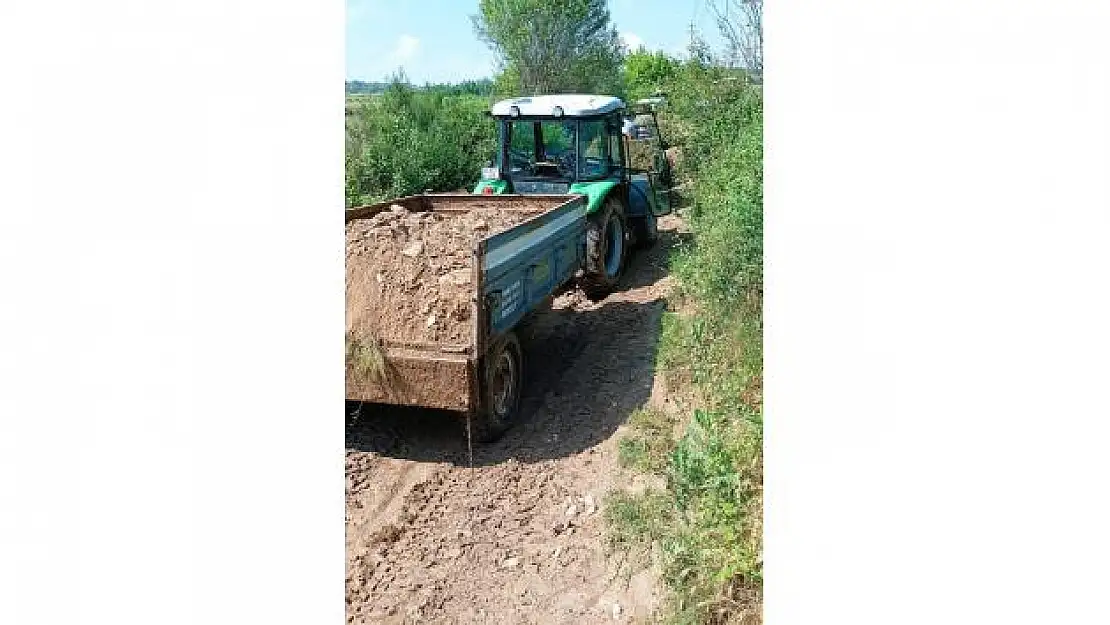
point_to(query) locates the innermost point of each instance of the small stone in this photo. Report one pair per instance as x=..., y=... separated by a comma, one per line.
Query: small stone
x=413, y=249
x=572, y=510
x=616, y=611
x=591, y=506
x=453, y=553
x=481, y=225
x=459, y=277
x=510, y=563
x=431, y=322
x=397, y=208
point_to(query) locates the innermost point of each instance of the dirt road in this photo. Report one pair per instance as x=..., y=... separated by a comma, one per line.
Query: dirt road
x=518, y=538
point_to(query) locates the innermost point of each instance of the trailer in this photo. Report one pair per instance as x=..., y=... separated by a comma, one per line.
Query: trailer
x=438, y=283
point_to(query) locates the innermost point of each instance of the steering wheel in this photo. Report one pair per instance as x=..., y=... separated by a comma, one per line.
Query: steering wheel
x=521, y=159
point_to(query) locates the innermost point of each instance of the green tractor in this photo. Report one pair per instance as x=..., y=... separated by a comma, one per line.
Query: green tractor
x=587, y=145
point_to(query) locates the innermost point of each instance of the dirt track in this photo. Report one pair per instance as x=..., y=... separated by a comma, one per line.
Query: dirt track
x=518, y=537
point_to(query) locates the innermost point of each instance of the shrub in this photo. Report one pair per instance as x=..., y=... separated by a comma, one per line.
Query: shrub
x=407, y=140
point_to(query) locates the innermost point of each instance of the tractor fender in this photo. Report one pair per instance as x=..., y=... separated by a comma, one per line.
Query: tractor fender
x=596, y=193
x=640, y=202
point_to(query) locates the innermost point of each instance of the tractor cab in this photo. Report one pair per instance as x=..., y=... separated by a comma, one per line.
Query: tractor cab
x=578, y=144
x=581, y=144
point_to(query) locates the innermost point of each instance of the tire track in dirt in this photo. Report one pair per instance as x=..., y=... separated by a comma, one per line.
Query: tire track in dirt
x=518, y=538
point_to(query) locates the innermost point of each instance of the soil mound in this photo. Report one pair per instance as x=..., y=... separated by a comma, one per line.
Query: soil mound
x=410, y=273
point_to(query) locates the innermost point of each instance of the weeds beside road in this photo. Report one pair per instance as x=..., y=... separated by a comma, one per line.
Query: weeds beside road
x=706, y=523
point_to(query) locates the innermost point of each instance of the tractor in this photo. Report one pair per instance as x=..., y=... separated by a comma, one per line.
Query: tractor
x=586, y=145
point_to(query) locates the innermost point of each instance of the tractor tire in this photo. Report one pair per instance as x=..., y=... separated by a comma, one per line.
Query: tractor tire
x=502, y=381
x=646, y=229
x=607, y=238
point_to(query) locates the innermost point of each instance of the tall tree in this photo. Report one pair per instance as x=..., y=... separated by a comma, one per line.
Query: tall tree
x=553, y=46
x=646, y=72
x=741, y=24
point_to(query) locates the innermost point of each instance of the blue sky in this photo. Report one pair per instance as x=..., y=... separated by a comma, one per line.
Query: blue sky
x=434, y=40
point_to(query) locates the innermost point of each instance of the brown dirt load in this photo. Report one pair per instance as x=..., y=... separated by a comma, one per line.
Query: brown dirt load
x=410, y=273
x=519, y=537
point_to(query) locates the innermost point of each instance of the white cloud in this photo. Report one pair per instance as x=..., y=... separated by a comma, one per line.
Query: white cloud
x=406, y=48
x=632, y=41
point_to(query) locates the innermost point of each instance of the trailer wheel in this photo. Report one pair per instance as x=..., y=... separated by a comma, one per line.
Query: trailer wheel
x=502, y=382
x=606, y=249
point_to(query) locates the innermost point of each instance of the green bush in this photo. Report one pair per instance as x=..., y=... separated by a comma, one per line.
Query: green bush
x=407, y=140
x=646, y=73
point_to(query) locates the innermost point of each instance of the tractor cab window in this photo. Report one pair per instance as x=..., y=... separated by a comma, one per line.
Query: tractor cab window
x=541, y=148
x=594, y=147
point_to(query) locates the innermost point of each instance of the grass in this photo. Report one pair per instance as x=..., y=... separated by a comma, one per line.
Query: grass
x=707, y=523
x=367, y=357
x=647, y=447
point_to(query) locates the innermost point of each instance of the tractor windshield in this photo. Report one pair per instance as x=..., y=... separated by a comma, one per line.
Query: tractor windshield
x=541, y=149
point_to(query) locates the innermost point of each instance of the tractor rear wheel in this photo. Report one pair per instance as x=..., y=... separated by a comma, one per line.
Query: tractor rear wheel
x=606, y=249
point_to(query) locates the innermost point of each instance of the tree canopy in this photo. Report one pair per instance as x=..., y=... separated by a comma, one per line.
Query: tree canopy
x=647, y=72
x=552, y=47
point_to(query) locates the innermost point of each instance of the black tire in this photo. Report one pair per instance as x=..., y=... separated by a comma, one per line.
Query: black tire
x=647, y=230
x=502, y=381
x=604, y=264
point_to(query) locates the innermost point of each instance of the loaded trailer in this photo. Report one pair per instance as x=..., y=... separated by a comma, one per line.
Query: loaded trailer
x=436, y=286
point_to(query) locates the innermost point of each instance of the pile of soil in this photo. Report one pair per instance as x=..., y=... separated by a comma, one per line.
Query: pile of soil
x=410, y=273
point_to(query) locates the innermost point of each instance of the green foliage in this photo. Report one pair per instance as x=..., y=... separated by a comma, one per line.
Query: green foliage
x=506, y=84
x=552, y=47
x=711, y=534
x=406, y=140
x=637, y=520
x=646, y=73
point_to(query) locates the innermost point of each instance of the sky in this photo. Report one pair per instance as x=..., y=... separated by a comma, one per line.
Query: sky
x=434, y=41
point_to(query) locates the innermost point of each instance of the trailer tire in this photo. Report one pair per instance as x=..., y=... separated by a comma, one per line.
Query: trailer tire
x=502, y=381
x=607, y=239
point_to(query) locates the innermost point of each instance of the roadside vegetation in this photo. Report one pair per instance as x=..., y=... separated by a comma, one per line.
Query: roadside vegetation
x=706, y=523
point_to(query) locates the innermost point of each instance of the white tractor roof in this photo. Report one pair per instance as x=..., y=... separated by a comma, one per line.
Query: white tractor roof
x=573, y=105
